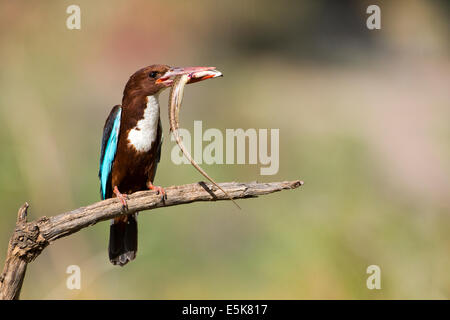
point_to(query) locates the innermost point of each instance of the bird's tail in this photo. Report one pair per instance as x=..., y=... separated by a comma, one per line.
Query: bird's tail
x=123, y=239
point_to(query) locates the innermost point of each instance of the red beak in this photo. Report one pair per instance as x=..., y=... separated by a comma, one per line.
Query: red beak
x=195, y=74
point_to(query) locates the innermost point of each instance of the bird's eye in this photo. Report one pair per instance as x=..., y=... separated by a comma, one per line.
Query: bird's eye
x=153, y=74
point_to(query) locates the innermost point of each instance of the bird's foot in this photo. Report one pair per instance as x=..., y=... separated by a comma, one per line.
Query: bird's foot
x=158, y=189
x=122, y=197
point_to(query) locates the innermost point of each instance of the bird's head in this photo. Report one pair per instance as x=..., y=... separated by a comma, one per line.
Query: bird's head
x=153, y=79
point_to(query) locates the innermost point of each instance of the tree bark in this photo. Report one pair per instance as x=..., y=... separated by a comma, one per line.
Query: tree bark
x=30, y=238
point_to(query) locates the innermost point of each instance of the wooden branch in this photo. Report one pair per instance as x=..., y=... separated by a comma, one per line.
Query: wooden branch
x=30, y=238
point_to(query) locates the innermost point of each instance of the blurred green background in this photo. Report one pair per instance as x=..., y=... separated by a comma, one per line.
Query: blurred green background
x=363, y=118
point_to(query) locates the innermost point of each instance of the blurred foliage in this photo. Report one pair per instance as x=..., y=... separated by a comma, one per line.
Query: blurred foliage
x=363, y=118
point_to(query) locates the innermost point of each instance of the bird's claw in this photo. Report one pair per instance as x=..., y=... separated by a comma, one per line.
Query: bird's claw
x=159, y=190
x=122, y=197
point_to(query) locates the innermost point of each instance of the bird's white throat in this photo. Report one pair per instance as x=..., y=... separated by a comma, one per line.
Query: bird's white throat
x=144, y=134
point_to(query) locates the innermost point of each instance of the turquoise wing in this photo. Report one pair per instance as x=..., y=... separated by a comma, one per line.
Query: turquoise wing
x=108, y=153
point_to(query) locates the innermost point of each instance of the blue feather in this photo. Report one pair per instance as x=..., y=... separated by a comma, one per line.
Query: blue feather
x=109, y=155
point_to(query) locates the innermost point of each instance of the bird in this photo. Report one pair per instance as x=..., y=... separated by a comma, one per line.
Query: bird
x=131, y=148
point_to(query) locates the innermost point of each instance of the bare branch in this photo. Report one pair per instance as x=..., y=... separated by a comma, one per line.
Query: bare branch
x=30, y=238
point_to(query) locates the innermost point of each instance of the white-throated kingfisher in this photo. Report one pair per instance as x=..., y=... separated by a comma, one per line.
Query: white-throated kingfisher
x=131, y=148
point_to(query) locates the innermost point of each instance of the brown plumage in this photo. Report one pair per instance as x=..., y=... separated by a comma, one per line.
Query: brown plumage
x=132, y=170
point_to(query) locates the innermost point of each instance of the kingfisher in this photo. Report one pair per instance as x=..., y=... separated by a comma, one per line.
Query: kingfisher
x=131, y=148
